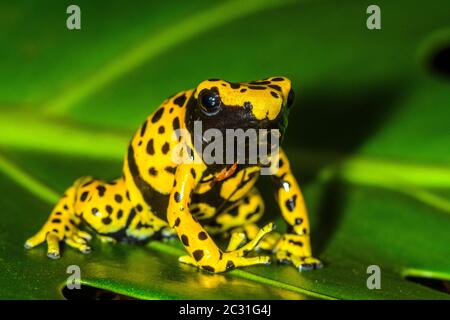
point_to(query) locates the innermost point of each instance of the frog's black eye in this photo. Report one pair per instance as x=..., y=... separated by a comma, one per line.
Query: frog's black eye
x=290, y=98
x=209, y=101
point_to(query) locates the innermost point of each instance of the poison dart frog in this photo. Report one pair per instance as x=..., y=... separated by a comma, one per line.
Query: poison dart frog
x=156, y=197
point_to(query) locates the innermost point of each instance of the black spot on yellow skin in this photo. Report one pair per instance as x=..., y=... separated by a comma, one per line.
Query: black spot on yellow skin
x=179, y=101
x=202, y=235
x=177, y=196
x=171, y=170
x=95, y=211
x=290, y=203
x=274, y=94
x=177, y=222
x=243, y=90
x=58, y=213
x=84, y=196
x=189, y=152
x=193, y=173
x=185, y=240
x=235, y=85
x=198, y=255
x=297, y=243
x=165, y=148
x=280, y=163
x=257, y=87
x=255, y=212
x=140, y=143
x=260, y=82
x=152, y=171
x=208, y=268
x=274, y=86
x=157, y=115
x=106, y=220
x=171, y=110
x=118, y=198
x=233, y=211
x=66, y=228
x=150, y=147
x=230, y=265
x=56, y=220
x=119, y=214
x=87, y=183
x=176, y=123
x=161, y=130
x=298, y=221
x=277, y=79
x=139, y=208
x=109, y=209
x=127, y=194
x=101, y=190
x=143, y=128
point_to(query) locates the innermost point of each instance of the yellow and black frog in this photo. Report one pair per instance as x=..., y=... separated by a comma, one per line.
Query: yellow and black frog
x=160, y=196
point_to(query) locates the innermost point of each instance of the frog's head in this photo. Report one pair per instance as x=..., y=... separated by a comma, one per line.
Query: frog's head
x=256, y=104
x=222, y=105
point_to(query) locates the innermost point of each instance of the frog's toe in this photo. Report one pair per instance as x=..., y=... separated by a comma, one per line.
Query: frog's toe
x=35, y=240
x=300, y=263
x=53, y=255
x=79, y=244
x=187, y=260
x=84, y=235
x=53, y=250
x=310, y=263
x=168, y=233
x=237, y=239
x=251, y=245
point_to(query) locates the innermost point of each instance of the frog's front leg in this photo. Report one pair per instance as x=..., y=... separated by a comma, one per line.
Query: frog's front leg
x=293, y=247
x=62, y=225
x=203, y=251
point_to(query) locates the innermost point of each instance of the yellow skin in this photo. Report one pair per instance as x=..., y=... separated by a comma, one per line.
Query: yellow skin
x=157, y=198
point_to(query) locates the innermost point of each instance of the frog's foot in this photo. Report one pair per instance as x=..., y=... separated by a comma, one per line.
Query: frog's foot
x=300, y=263
x=235, y=255
x=106, y=239
x=295, y=249
x=250, y=231
x=75, y=238
x=168, y=233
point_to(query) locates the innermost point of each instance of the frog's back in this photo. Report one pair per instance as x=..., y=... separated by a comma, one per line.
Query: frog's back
x=148, y=167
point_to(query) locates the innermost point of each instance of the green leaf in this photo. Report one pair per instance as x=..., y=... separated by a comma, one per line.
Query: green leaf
x=368, y=136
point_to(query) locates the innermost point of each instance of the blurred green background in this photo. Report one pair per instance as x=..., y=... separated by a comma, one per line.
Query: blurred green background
x=368, y=138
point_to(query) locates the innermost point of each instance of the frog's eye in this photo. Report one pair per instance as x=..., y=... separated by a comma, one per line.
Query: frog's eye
x=290, y=98
x=209, y=101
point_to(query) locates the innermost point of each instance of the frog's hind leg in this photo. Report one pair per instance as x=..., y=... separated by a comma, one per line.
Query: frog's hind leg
x=248, y=209
x=62, y=224
x=144, y=227
x=239, y=221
